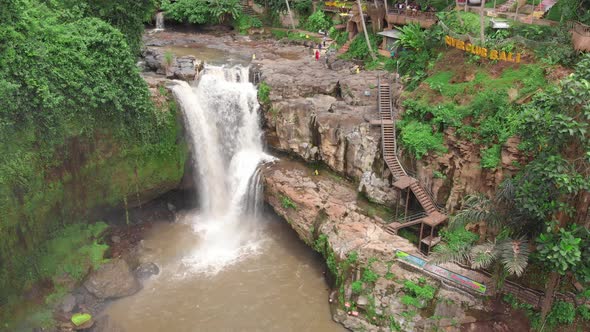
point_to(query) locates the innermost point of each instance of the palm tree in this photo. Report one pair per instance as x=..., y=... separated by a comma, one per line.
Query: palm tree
x=507, y=253
x=365, y=30
x=481, y=22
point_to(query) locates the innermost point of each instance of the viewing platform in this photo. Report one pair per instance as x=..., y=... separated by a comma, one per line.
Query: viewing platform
x=407, y=16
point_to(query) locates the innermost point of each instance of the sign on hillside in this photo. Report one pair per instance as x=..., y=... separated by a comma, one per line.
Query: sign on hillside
x=482, y=51
x=441, y=272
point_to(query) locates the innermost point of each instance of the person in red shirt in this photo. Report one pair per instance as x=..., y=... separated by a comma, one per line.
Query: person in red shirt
x=317, y=55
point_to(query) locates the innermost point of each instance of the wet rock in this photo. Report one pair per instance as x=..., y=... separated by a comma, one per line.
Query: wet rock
x=112, y=280
x=68, y=303
x=184, y=68
x=116, y=239
x=378, y=189
x=146, y=270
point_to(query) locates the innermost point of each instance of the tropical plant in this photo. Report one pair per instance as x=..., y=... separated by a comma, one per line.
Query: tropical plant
x=560, y=250
x=202, y=11
x=412, y=37
x=317, y=21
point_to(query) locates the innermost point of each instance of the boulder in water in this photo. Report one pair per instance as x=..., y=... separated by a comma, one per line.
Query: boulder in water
x=146, y=270
x=112, y=280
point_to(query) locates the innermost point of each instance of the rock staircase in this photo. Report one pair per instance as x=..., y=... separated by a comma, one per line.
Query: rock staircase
x=246, y=9
x=345, y=47
x=432, y=215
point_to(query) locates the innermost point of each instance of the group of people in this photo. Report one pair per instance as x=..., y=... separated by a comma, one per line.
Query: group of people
x=318, y=50
x=413, y=7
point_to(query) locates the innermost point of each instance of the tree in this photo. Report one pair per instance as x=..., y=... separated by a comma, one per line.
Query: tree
x=505, y=249
x=481, y=23
x=290, y=15
x=365, y=30
x=554, y=187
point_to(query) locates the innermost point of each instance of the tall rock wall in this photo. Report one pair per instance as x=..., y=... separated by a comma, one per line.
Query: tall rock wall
x=323, y=115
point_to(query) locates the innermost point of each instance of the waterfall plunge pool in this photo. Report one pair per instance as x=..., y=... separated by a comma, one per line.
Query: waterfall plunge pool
x=279, y=286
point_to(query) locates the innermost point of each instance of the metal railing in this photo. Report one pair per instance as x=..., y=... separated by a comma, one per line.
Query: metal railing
x=414, y=216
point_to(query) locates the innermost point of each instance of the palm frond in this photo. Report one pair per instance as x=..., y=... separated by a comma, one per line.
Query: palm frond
x=506, y=192
x=514, y=255
x=476, y=208
x=444, y=253
x=483, y=255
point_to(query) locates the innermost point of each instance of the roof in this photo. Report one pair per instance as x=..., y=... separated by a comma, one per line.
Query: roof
x=499, y=24
x=396, y=34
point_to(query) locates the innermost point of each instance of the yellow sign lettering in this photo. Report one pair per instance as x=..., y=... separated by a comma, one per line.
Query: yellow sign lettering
x=482, y=51
x=494, y=55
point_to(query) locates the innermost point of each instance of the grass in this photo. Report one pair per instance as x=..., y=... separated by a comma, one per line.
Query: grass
x=287, y=203
x=527, y=78
x=481, y=108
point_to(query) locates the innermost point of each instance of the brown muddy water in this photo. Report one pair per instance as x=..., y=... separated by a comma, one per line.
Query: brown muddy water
x=277, y=286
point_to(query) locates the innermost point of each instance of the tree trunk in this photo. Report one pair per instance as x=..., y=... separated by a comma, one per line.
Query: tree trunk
x=290, y=15
x=365, y=30
x=481, y=23
x=549, y=292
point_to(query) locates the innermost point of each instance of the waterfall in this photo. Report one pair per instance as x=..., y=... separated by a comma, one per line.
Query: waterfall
x=222, y=122
x=159, y=21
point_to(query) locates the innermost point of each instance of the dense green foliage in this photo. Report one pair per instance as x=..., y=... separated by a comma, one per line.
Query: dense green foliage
x=128, y=16
x=419, y=138
x=202, y=11
x=70, y=253
x=479, y=109
x=245, y=22
x=78, y=131
x=317, y=21
x=358, y=48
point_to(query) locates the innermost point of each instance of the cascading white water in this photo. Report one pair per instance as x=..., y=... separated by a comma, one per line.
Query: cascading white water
x=160, y=21
x=221, y=116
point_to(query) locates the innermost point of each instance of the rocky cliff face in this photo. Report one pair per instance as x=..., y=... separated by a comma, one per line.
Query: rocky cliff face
x=325, y=208
x=458, y=173
x=323, y=115
x=320, y=114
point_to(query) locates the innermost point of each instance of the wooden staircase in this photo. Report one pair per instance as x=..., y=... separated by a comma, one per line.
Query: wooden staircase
x=433, y=215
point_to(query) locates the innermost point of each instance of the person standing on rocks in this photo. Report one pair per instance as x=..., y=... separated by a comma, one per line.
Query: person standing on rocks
x=317, y=55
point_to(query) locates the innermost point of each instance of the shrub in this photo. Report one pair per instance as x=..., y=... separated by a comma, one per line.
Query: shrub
x=245, y=22
x=419, y=138
x=358, y=48
x=287, y=203
x=561, y=313
x=264, y=93
x=412, y=301
x=490, y=157
x=317, y=21
x=357, y=287
x=425, y=292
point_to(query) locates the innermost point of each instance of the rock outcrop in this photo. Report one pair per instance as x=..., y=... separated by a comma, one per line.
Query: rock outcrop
x=183, y=68
x=112, y=280
x=323, y=115
x=324, y=206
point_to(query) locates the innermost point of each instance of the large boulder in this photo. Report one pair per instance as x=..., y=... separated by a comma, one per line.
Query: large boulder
x=112, y=280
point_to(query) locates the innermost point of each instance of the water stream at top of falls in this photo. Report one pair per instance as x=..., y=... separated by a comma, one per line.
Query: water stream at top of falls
x=221, y=117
